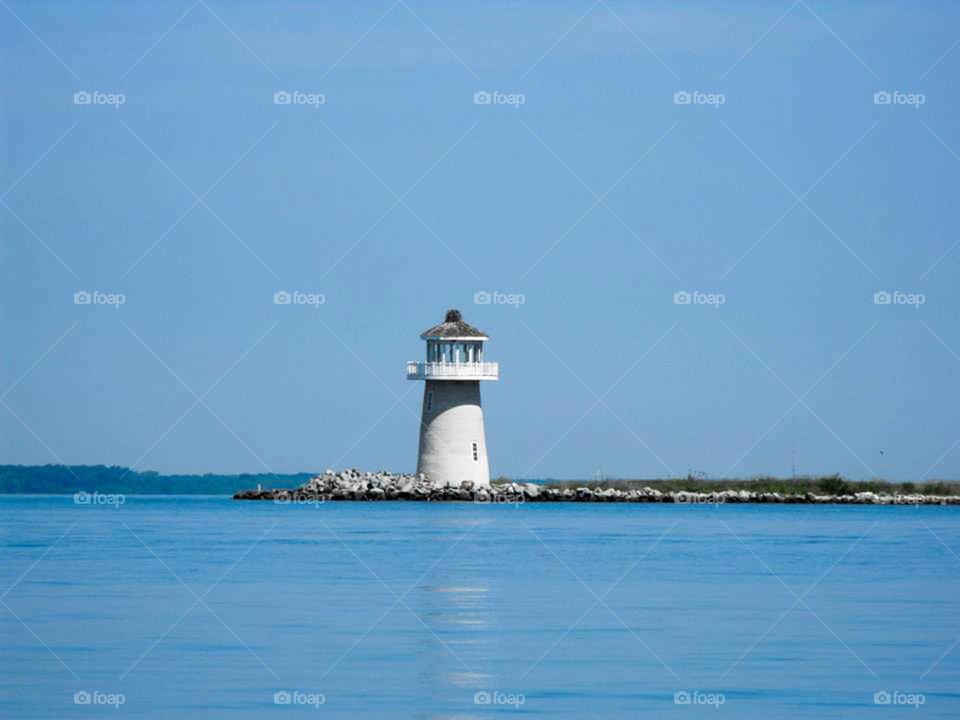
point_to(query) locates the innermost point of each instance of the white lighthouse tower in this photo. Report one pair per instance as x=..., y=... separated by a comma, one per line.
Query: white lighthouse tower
x=453, y=447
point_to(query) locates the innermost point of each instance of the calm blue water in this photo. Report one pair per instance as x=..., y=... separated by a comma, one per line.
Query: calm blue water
x=495, y=599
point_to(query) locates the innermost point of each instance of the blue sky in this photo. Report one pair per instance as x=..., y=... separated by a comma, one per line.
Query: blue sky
x=597, y=199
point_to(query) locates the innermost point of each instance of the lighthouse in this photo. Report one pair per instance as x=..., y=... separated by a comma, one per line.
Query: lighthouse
x=453, y=447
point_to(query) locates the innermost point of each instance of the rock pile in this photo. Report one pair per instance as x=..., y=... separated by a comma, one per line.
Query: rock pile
x=383, y=485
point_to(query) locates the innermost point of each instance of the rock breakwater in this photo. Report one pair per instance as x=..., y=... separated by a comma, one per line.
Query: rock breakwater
x=382, y=485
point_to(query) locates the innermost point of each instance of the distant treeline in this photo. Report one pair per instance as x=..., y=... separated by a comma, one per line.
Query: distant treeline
x=62, y=479
x=822, y=485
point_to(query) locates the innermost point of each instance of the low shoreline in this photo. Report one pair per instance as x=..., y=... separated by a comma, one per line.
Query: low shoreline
x=357, y=486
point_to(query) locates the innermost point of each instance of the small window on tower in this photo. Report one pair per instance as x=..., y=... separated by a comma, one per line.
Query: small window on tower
x=430, y=400
x=476, y=452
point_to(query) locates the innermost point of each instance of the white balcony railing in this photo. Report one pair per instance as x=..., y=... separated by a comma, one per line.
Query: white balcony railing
x=453, y=371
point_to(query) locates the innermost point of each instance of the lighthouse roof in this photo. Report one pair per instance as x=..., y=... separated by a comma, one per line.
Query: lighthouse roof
x=453, y=327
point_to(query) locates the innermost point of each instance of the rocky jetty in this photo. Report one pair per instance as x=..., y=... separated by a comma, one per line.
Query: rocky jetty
x=370, y=486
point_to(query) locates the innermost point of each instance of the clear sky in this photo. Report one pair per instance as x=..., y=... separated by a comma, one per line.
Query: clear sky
x=782, y=186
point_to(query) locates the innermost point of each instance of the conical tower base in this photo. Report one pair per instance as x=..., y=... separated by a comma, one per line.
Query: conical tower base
x=453, y=446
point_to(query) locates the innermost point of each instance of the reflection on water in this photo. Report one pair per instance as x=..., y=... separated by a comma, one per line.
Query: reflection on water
x=454, y=601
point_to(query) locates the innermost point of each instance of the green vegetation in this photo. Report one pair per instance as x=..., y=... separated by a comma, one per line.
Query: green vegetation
x=61, y=479
x=825, y=485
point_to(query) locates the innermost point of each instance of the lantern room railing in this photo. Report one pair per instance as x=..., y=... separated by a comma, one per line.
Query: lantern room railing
x=453, y=371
